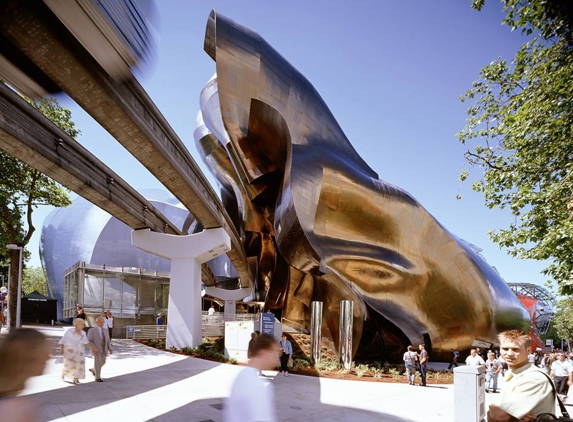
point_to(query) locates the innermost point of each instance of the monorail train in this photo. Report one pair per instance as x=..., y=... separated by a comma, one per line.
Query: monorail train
x=119, y=34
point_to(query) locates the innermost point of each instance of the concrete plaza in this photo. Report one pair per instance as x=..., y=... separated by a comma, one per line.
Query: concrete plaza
x=145, y=384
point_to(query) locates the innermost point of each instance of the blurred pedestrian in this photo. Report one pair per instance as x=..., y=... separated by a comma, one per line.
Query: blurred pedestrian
x=252, y=398
x=159, y=320
x=562, y=374
x=251, y=345
x=73, y=349
x=453, y=359
x=23, y=354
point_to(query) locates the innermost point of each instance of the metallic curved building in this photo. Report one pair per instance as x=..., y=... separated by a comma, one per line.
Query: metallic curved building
x=319, y=223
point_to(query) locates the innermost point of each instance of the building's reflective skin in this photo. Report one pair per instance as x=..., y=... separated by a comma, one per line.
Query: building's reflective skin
x=320, y=225
x=84, y=232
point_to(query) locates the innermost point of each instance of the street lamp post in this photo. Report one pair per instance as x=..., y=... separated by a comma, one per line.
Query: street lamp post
x=19, y=299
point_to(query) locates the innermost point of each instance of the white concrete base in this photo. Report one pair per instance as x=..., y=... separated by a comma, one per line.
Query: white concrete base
x=186, y=253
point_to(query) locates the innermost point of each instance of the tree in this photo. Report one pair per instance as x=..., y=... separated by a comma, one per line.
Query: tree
x=520, y=123
x=33, y=278
x=563, y=320
x=22, y=189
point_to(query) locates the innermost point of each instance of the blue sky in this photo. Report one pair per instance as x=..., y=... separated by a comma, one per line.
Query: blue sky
x=391, y=73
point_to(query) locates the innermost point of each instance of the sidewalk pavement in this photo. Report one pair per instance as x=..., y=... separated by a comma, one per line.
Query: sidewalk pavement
x=146, y=384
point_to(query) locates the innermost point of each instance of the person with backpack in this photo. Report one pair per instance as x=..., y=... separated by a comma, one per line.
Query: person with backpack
x=454, y=359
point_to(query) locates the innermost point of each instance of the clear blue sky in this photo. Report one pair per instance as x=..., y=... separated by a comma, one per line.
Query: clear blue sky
x=391, y=73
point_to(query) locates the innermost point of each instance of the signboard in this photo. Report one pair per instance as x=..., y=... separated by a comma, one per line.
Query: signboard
x=549, y=342
x=268, y=323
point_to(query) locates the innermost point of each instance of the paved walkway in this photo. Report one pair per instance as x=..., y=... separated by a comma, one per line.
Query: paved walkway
x=146, y=384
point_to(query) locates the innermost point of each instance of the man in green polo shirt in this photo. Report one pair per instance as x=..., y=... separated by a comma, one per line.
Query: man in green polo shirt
x=527, y=392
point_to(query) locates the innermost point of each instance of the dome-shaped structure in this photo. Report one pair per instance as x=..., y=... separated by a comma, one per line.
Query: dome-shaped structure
x=84, y=232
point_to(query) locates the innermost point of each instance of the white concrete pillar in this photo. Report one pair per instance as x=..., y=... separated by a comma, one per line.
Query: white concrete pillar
x=186, y=253
x=230, y=297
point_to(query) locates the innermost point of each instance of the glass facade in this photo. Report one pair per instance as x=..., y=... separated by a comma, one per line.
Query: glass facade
x=134, y=295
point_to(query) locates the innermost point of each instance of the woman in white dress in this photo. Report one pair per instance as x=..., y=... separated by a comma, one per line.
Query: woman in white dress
x=73, y=348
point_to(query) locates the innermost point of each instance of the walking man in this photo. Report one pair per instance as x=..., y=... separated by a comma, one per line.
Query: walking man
x=423, y=357
x=562, y=374
x=493, y=367
x=454, y=361
x=527, y=392
x=100, y=345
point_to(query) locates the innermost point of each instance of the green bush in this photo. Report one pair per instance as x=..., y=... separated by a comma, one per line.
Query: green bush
x=361, y=370
x=187, y=350
x=233, y=361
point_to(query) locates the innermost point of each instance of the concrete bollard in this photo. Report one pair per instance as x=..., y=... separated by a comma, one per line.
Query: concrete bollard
x=469, y=394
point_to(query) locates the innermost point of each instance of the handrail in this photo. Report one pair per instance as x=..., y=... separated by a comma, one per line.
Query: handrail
x=302, y=329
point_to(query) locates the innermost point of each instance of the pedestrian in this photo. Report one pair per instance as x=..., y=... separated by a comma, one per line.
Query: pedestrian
x=423, y=358
x=159, y=320
x=211, y=311
x=100, y=344
x=109, y=323
x=286, y=347
x=492, y=369
x=252, y=398
x=453, y=359
x=527, y=392
x=410, y=359
x=251, y=345
x=73, y=349
x=80, y=312
x=545, y=366
x=531, y=358
x=474, y=359
x=23, y=354
x=562, y=374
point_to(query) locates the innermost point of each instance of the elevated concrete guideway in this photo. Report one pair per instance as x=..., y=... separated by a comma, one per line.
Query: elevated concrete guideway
x=26, y=134
x=123, y=109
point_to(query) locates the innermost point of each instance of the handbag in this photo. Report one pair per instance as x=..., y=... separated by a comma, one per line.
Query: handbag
x=290, y=363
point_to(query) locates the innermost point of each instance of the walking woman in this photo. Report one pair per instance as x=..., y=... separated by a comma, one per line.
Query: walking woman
x=410, y=359
x=73, y=348
x=287, y=353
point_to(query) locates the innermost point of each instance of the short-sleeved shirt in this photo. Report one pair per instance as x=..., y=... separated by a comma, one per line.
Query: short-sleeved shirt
x=474, y=360
x=527, y=390
x=423, y=357
x=492, y=366
x=252, y=399
x=561, y=369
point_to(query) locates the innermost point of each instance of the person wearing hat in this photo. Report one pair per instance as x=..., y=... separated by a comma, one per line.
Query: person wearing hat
x=159, y=320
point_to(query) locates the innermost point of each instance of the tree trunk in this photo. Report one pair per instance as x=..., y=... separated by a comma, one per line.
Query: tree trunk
x=13, y=295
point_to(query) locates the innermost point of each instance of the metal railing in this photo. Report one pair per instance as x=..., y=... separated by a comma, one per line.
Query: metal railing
x=297, y=327
x=211, y=326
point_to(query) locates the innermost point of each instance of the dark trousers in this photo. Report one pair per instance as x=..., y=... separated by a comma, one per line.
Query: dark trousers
x=110, y=331
x=561, y=385
x=284, y=362
x=453, y=363
x=423, y=369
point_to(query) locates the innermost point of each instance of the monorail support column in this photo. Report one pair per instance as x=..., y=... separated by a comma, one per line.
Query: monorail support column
x=345, y=332
x=186, y=253
x=316, y=331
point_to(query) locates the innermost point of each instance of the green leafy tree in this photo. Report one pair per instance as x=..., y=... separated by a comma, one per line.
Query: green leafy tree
x=520, y=125
x=22, y=189
x=33, y=278
x=563, y=319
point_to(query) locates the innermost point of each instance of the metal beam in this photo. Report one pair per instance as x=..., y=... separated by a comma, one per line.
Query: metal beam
x=123, y=108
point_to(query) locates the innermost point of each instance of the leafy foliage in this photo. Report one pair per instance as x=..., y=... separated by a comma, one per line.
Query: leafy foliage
x=33, y=278
x=23, y=189
x=563, y=319
x=520, y=122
